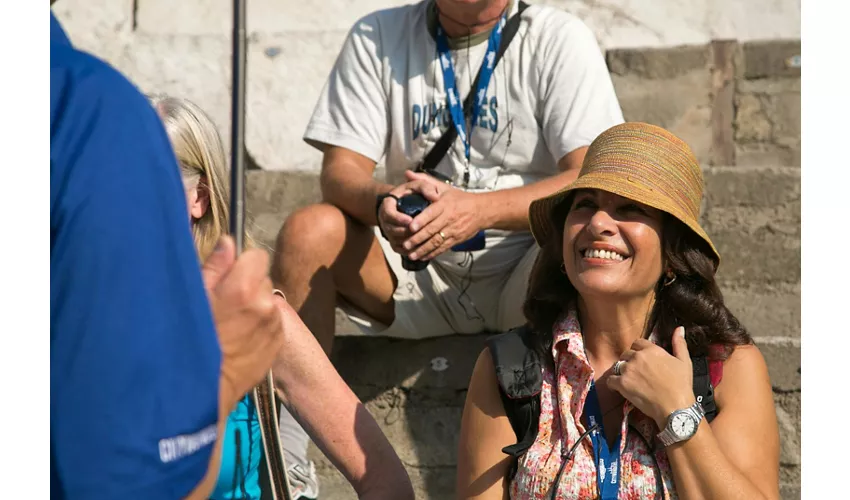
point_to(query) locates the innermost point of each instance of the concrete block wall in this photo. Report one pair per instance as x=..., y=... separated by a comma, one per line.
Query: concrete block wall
x=183, y=48
x=708, y=77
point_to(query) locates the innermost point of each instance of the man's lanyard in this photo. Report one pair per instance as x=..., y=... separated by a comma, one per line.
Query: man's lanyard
x=453, y=96
x=607, y=460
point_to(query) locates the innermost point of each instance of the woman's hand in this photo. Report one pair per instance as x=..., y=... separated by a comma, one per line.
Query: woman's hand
x=654, y=381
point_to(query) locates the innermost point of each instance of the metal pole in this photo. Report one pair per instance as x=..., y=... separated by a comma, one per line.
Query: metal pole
x=278, y=480
x=237, y=131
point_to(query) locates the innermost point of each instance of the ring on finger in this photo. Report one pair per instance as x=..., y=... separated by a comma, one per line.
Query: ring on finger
x=618, y=367
x=442, y=236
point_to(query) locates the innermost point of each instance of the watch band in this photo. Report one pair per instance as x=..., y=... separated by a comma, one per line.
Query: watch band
x=378, y=200
x=668, y=437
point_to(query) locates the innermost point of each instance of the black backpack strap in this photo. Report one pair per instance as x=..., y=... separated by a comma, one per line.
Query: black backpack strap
x=703, y=390
x=520, y=377
x=266, y=492
x=429, y=163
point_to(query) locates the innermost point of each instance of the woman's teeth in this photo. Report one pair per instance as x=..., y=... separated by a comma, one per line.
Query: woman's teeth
x=602, y=254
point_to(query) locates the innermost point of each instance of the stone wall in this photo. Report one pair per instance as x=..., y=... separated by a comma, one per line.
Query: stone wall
x=183, y=47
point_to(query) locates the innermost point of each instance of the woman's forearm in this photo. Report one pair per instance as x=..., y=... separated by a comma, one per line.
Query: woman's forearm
x=702, y=471
x=334, y=417
x=348, y=435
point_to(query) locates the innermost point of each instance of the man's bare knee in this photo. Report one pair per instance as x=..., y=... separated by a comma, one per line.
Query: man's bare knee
x=322, y=247
x=313, y=233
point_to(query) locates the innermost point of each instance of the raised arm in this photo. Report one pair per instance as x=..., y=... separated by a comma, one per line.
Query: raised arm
x=737, y=456
x=734, y=457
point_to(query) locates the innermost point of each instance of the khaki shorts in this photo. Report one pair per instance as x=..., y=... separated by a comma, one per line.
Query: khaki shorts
x=459, y=292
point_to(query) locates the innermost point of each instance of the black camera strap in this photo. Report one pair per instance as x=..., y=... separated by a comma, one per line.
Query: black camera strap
x=436, y=154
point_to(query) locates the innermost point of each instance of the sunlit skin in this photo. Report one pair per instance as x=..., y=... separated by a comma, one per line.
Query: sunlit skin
x=467, y=17
x=599, y=220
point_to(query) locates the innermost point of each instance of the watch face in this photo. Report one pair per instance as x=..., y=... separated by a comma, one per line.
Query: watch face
x=683, y=425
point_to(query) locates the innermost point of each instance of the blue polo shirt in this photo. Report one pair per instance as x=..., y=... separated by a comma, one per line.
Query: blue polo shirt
x=134, y=358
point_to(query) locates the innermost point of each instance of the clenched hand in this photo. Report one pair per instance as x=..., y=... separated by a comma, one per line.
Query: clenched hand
x=246, y=317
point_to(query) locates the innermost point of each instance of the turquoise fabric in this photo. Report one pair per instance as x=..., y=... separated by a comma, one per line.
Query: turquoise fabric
x=239, y=475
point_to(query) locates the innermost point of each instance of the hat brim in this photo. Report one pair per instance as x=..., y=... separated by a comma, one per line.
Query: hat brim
x=540, y=211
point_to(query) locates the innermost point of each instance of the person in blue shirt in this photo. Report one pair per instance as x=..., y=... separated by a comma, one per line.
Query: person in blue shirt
x=308, y=384
x=144, y=365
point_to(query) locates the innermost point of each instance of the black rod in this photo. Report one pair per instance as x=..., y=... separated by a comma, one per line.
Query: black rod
x=237, y=130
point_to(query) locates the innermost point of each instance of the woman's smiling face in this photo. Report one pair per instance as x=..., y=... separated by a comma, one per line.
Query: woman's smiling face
x=612, y=245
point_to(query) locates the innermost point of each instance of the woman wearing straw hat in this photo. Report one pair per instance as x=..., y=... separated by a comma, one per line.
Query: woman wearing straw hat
x=622, y=295
x=337, y=420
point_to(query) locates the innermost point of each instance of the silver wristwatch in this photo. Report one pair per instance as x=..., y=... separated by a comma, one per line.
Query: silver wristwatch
x=682, y=425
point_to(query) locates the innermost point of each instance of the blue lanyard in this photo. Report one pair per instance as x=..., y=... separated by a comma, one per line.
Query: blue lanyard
x=607, y=460
x=453, y=96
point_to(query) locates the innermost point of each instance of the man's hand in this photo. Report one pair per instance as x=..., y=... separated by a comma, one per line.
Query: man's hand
x=396, y=225
x=451, y=219
x=246, y=317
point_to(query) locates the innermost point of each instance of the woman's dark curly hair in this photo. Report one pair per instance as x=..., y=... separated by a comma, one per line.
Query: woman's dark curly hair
x=692, y=300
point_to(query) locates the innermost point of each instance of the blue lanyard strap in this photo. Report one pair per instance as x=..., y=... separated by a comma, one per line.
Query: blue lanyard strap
x=486, y=71
x=607, y=460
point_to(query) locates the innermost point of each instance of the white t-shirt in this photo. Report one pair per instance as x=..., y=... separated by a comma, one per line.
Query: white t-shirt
x=550, y=94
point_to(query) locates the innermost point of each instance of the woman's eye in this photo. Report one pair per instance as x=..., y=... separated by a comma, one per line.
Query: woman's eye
x=632, y=209
x=585, y=203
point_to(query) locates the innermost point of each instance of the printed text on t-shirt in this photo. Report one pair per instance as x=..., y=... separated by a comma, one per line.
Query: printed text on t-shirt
x=425, y=117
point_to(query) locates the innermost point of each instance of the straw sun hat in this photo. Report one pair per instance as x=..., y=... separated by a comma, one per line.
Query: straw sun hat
x=640, y=162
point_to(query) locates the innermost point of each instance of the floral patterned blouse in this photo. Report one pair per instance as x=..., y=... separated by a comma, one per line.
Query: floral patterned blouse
x=644, y=470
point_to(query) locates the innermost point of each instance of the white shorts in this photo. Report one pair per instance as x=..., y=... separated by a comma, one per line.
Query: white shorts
x=459, y=292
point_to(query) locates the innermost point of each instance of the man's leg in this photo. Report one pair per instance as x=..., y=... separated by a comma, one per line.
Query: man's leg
x=321, y=252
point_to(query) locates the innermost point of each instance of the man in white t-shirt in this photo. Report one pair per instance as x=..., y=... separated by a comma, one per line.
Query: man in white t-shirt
x=386, y=101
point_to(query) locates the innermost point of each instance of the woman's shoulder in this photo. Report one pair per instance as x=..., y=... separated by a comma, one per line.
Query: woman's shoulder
x=719, y=359
x=743, y=360
x=483, y=390
x=743, y=371
x=484, y=369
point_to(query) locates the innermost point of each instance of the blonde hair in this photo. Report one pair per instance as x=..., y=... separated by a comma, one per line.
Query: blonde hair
x=200, y=154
